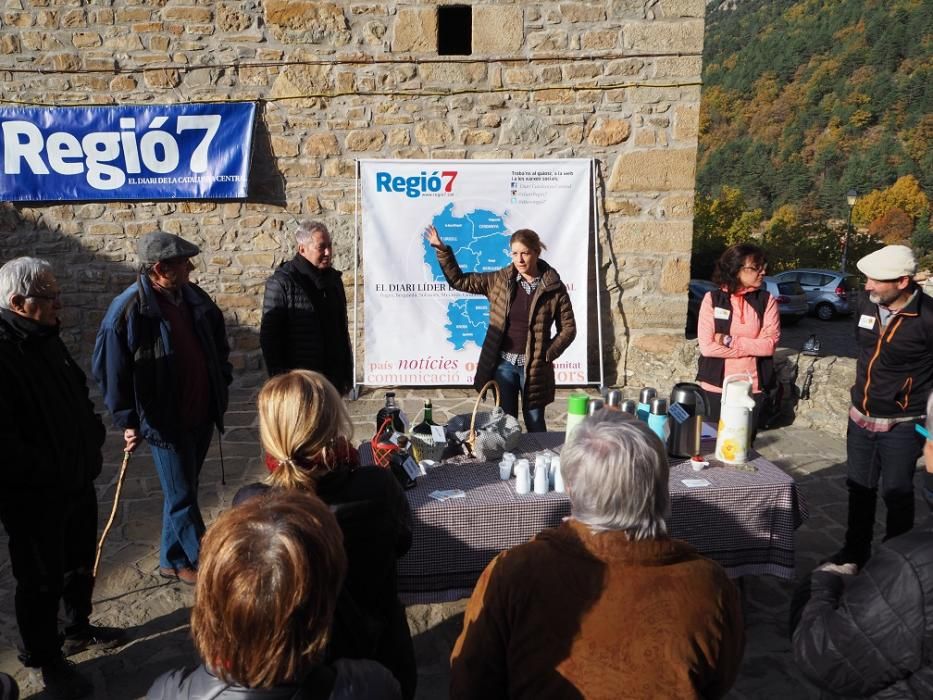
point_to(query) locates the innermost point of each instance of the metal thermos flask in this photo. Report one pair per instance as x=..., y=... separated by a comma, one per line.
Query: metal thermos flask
x=685, y=412
x=644, y=402
x=628, y=406
x=657, y=418
x=614, y=399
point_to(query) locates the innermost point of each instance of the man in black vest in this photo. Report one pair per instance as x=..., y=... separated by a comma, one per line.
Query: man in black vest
x=304, y=312
x=893, y=378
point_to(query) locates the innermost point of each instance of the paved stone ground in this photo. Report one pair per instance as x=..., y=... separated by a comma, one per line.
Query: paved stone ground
x=836, y=336
x=130, y=594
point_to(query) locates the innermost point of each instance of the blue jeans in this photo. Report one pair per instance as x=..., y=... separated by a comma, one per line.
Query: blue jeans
x=511, y=381
x=182, y=525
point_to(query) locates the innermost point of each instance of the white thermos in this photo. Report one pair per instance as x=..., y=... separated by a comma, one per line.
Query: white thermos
x=735, y=419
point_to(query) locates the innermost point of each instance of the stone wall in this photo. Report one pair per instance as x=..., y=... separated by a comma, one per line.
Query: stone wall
x=663, y=361
x=617, y=81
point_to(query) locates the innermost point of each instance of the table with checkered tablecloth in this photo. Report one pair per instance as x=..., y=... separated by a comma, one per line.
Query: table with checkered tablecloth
x=744, y=519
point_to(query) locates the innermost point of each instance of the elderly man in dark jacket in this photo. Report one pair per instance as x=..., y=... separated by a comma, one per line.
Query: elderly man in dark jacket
x=868, y=635
x=161, y=362
x=50, y=437
x=304, y=312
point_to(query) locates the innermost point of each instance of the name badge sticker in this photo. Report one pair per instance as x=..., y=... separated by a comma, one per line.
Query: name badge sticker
x=411, y=468
x=677, y=412
x=721, y=313
x=867, y=322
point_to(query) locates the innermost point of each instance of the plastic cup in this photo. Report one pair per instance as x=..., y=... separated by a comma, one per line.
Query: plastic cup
x=522, y=477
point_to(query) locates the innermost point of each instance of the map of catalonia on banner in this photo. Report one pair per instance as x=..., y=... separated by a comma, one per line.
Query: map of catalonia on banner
x=419, y=331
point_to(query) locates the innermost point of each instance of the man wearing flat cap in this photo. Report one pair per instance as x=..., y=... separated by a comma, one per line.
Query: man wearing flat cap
x=161, y=360
x=893, y=378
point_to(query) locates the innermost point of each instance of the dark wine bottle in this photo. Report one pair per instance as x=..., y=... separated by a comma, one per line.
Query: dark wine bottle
x=424, y=427
x=390, y=409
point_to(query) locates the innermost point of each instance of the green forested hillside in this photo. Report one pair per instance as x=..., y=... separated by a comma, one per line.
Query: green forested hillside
x=805, y=99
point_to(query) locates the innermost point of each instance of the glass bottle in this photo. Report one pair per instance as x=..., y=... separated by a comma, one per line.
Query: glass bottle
x=390, y=409
x=424, y=427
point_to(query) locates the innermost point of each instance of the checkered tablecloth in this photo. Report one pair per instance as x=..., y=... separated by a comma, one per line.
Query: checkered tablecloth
x=745, y=520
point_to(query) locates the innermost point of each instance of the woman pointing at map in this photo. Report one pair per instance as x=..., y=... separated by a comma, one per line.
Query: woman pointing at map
x=527, y=301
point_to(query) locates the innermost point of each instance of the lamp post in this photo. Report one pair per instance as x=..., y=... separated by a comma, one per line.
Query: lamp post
x=851, y=196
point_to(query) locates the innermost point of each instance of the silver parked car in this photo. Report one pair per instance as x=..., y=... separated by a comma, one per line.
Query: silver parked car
x=829, y=292
x=790, y=298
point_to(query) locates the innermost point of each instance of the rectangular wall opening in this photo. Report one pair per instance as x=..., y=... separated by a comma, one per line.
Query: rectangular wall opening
x=454, y=30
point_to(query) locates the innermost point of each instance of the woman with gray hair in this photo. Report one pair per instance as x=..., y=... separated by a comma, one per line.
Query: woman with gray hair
x=606, y=604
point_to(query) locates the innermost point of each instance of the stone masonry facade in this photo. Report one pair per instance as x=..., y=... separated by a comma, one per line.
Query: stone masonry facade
x=617, y=81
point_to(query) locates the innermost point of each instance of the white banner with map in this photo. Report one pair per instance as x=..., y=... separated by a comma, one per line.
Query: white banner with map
x=419, y=331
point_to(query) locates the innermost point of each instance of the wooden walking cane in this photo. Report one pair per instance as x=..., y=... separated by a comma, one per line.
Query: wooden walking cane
x=113, y=511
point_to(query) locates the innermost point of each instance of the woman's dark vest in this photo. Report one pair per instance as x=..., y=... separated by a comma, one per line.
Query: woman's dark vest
x=712, y=369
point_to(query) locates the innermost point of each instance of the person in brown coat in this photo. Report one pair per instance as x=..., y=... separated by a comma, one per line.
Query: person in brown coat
x=526, y=298
x=606, y=605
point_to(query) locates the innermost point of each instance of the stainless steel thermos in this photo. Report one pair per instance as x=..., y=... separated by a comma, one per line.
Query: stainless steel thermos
x=685, y=412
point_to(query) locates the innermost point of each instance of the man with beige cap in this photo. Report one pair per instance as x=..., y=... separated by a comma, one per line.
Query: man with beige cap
x=893, y=378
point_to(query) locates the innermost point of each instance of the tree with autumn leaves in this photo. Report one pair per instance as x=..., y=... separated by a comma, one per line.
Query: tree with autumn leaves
x=795, y=236
x=898, y=214
x=802, y=102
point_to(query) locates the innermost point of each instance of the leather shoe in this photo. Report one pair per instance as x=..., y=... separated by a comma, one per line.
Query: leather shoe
x=93, y=637
x=185, y=574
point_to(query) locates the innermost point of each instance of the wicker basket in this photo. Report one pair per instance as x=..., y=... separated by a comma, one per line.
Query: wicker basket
x=485, y=435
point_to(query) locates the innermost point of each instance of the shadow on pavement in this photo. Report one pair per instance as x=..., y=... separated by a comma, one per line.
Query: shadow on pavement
x=158, y=645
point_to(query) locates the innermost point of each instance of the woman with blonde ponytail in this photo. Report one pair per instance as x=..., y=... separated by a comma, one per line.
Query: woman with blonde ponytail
x=306, y=431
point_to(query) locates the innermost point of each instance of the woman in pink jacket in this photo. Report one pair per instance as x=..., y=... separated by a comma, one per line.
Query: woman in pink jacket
x=738, y=327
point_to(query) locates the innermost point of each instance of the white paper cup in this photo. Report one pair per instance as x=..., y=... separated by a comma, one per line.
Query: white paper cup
x=505, y=470
x=522, y=477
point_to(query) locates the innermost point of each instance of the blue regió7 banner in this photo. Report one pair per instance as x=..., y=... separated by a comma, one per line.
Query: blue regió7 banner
x=192, y=151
